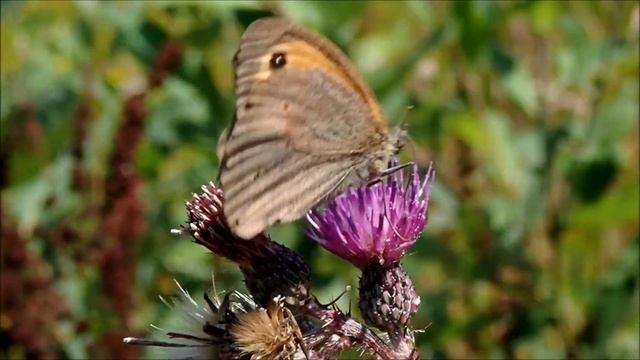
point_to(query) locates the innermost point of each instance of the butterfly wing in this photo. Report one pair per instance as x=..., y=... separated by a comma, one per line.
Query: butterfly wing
x=305, y=123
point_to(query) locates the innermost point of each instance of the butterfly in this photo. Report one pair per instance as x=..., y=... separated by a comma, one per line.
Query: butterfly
x=306, y=126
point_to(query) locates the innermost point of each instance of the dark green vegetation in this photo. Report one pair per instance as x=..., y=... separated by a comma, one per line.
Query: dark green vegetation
x=110, y=115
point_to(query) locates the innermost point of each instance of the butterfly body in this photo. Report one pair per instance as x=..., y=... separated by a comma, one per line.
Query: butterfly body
x=306, y=126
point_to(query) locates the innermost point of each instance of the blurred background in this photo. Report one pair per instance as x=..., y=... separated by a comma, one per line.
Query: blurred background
x=111, y=112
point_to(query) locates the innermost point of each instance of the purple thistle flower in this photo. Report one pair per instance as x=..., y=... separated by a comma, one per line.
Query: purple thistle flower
x=374, y=224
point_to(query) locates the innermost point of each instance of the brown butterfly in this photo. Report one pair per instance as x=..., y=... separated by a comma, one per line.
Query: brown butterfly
x=306, y=126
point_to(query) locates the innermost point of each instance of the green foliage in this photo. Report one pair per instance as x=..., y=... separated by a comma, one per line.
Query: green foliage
x=528, y=110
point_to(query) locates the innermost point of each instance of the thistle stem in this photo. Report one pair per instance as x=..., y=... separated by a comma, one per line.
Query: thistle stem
x=350, y=332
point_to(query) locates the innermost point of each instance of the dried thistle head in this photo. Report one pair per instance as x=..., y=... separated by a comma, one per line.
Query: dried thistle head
x=270, y=333
x=203, y=332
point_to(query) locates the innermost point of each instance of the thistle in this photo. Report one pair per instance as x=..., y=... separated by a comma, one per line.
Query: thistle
x=373, y=227
x=374, y=224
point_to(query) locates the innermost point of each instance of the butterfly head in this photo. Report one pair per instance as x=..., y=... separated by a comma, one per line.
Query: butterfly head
x=397, y=139
x=395, y=142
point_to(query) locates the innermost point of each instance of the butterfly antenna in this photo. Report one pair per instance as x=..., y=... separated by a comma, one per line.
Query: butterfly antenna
x=404, y=123
x=414, y=148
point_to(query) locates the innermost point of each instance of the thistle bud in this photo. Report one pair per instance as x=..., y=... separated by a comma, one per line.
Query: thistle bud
x=388, y=298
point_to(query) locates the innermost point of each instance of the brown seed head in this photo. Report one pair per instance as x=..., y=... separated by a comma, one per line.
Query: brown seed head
x=270, y=333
